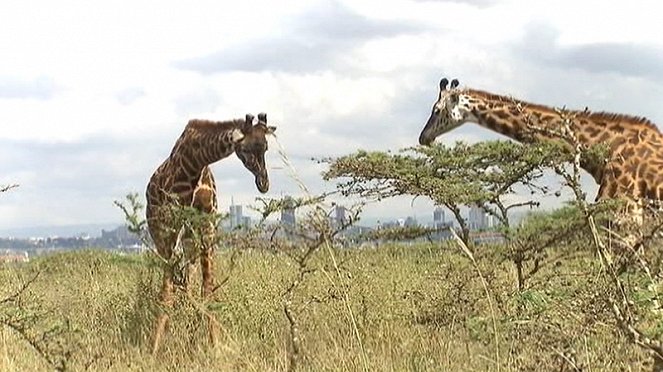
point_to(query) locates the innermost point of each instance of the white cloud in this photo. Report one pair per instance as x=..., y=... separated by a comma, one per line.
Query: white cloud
x=39, y=88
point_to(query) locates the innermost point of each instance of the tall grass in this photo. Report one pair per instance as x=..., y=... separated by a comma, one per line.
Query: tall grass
x=416, y=308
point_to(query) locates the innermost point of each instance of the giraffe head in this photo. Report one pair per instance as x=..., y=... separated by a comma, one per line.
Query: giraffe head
x=251, y=147
x=450, y=111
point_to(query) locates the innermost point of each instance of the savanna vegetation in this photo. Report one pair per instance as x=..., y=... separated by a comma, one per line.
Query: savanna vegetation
x=566, y=291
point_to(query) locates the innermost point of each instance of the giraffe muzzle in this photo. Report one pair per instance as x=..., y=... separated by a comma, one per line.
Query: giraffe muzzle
x=262, y=183
x=426, y=137
x=424, y=140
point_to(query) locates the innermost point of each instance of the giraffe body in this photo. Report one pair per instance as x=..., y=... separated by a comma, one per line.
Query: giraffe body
x=632, y=169
x=185, y=179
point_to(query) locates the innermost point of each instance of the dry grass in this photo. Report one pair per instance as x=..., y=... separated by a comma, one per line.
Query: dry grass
x=416, y=308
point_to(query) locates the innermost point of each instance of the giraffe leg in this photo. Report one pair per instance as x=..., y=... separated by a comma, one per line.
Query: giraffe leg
x=190, y=271
x=166, y=300
x=207, y=267
x=189, y=264
x=628, y=224
x=636, y=222
x=628, y=219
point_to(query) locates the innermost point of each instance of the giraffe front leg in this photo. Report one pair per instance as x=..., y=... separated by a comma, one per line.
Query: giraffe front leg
x=166, y=301
x=187, y=264
x=627, y=225
x=634, y=221
x=207, y=267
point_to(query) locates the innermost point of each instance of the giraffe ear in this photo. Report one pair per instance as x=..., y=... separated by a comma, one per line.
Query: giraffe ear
x=248, y=123
x=443, y=83
x=271, y=130
x=236, y=135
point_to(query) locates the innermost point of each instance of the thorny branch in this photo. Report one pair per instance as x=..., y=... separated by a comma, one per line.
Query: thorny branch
x=48, y=344
x=315, y=232
x=5, y=188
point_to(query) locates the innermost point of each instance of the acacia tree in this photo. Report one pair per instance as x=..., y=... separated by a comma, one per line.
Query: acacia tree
x=532, y=241
x=485, y=174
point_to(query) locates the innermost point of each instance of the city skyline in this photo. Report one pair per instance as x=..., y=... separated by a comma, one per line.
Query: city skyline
x=240, y=218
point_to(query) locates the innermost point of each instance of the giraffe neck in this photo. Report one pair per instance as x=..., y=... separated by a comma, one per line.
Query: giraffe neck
x=528, y=122
x=516, y=119
x=201, y=144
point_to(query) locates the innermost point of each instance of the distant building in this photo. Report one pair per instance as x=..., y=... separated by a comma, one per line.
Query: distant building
x=236, y=217
x=340, y=217
x=288, y=212
x=246, y=222
x=487, y=237
x=120, y=233
x=479, y=219
x=475, y=218
x=491, y=221
x=391, y=224
x=410, y=222
x=438, y=218
x=118, y=238
x=7, y=256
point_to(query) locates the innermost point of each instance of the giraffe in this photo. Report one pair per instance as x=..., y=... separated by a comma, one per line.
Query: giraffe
x=185, y=179
x=632, y=170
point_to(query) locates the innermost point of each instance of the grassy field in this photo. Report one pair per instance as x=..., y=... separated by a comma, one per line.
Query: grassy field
x=394, y=308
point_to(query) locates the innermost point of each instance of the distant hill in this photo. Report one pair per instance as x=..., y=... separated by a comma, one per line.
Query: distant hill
x=92, y=230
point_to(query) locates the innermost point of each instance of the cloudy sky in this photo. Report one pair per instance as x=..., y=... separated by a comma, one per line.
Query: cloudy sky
x=93, y=95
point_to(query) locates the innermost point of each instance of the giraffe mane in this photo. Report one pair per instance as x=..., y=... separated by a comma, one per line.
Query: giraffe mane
x=632, y=119
x=209, y=125
x=598, y=115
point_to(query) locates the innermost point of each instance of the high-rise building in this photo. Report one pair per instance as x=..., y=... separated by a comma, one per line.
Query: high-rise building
x=288, y=212
x=235, y=216
x=340, y=217
x=478, y=218
x=491, y=221
x=438, y=218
